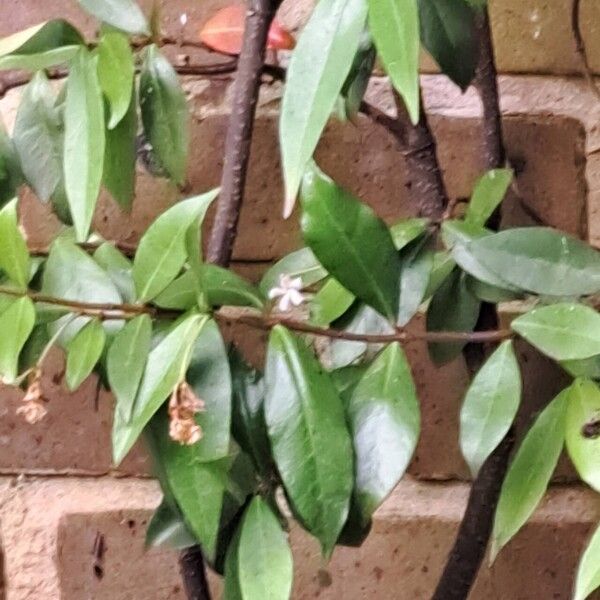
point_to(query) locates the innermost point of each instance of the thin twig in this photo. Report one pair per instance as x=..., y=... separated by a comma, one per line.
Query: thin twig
x=580, y=47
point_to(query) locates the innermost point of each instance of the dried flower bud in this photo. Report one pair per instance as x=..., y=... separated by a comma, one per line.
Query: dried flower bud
x=183, y=405
x=33, y=412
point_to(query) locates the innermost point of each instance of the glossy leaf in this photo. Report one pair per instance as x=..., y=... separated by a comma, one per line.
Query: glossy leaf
x=453, y=292
x=39, y=61
x=162, y=253
x=84, y=141
x=330, y=303
x=125, y=362
x=180, y=294
x=489, y=192
x=125, y=15
x=164, y=369
x=115, y=73
x=224, y=32
x=490, y=406
x=443, y=266
x=164, y=114
x=118, y=267
x=351, y=242
x=231, y=589
x=394, y=25
x=168, y=528
x=357, y=81
x=265, y=565
x=120, y=157
x=448, y=32
x=384, y=418
x=406, y=231
x=224, y=287
x=564, y=331
x=16, y=325
x=309, y=439
x=301, y=263
x=83, y=353
x=14, y=256
x=362, y=319
x=38, y=137
x=318, y=68
x=530, y=472
x=73, y=275
x=210, y=378
x=248, y=422
x=588, y=571
x=540, y=260
x=582, y=426
x=196, y=486
x=417, y=263
x=39, y=38
x=491, y=293
x=586, y=367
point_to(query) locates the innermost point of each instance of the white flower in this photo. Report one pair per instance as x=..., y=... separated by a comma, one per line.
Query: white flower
x=183, y=19
x=288, y=292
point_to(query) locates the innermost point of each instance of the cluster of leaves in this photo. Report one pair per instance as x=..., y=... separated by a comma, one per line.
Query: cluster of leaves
x=333, y=431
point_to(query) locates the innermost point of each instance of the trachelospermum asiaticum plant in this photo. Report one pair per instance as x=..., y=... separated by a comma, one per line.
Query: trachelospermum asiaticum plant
x=334, y=430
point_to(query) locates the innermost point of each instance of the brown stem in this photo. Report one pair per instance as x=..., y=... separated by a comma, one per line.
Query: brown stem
x=239, y=134
x=580, y=47
x=471, y=542
x=193, y=573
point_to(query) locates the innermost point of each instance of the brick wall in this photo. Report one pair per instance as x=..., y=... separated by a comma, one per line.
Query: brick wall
x=58, y=490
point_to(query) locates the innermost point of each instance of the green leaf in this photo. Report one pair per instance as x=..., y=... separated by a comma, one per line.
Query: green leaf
x=587, y=367
x=454, y=293
x=540, y=260
x=248, y=416
x=588, y=571
x=318, y=68
x=39, y=61
x=16, y=325
x=42, y=37
x=384, y=419
x=165, y=367
x=265, y=564
x=225, y=288
x=489, y=192
x=491, y=293
x=11, y=175
x=361, y=320
x=120, y=157
x=408, y=230
x=394, y=25
x=162, y=253
x=530, y=472
x=38, y=137
x=564, y=331
x=417, y=263
x=168, y=528
x=330, y=303
x=125, y=363
x=73, y=275
x=357, y=81
x=309, y=438
x=448, y=32
x=583, y=430
x=196, y=486
x=443, y=265
x=351, y=242
x=231, y=589
x=125, y=15
x=209, y=376
x=180, y=294
x=118, y=267
x=83, y=353
x=164, y=114
x=14, y=256
x=84, y=141
x=301, y=263
x=115, y=73
x=490, y=406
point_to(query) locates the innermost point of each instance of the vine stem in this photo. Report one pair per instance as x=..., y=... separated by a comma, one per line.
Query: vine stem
x=468, y=550
x=580, y=47
x=256, y=319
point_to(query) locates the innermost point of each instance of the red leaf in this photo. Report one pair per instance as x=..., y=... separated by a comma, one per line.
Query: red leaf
x=224, y=32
